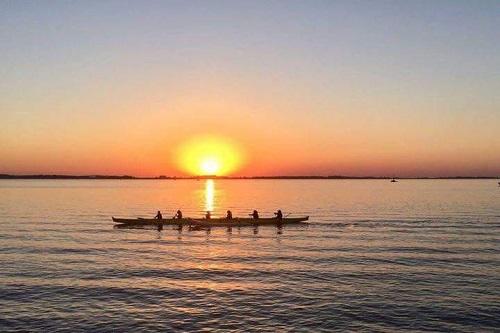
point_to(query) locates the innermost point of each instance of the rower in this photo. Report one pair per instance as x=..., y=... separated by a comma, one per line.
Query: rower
x=158, y=216
x=208, y=215
x=279, y=214
x=178, y=215
x=229, y=215
x=255, y=214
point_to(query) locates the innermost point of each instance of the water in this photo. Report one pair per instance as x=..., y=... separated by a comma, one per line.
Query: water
x=377, y=256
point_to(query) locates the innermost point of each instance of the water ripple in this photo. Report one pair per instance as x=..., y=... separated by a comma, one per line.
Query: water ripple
x=422, y=256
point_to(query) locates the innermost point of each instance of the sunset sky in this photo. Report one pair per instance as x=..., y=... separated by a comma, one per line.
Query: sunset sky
x=389, y=88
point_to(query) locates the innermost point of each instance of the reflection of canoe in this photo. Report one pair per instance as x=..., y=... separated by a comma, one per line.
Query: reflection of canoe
x=216, y=222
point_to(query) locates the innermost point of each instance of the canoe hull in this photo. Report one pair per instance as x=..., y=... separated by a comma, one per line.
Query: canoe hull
x=142, y=221
x=217, y=222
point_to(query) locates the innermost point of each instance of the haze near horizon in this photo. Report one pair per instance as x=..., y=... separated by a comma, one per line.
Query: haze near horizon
x=250, y=88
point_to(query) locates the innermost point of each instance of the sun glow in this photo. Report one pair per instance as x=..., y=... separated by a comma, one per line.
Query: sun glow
x=209, y=155
x=209, y=166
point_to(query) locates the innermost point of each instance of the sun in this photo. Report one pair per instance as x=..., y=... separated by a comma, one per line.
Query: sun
x=209, y=155
x=209, y=166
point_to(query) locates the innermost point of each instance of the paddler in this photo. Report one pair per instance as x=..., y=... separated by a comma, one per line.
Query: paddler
x=279, y=214
x=160, y=224
x=229, y=215
x=178, y=215
x=255, y=214
x=208, y=215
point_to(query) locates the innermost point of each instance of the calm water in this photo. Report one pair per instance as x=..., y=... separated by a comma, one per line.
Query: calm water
x=377, y=256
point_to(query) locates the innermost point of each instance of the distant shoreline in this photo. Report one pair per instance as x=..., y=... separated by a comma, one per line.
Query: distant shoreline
x=126, y=177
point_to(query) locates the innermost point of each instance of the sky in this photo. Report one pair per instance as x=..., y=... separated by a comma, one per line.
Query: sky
x=360, y=88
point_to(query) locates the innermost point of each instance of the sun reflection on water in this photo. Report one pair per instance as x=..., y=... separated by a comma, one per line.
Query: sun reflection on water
x=209, y=195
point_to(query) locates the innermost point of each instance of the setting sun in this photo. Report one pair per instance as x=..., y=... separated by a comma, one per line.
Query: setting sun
x=209, y=155
x=210, y=166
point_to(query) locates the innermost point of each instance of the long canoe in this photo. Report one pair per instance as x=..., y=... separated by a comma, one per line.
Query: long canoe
x=143, y=221
x=214, y=222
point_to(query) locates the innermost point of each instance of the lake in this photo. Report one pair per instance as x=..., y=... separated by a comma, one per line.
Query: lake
x=417, y=255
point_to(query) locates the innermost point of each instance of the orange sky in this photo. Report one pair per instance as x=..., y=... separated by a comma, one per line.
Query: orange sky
x=316, y=89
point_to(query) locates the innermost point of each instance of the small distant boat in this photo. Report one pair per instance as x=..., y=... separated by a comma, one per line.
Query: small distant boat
x=393, y=180
x=214, y=222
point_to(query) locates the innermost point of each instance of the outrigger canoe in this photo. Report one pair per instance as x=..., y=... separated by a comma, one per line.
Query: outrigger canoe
x=214, y=222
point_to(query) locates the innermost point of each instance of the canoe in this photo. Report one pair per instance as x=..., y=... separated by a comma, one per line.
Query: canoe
x=240, y=222
x=143, y=221
x=215, y=222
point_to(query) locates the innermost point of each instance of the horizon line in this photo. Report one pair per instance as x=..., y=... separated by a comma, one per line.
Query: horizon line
x=163, y=177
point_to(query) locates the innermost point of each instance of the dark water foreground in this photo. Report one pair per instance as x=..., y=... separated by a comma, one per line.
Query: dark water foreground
x=411, y=256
